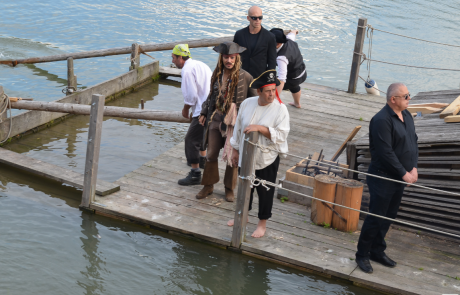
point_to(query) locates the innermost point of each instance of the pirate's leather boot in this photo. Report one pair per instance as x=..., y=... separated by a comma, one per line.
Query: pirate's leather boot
x=229, y=195
x=205, y=191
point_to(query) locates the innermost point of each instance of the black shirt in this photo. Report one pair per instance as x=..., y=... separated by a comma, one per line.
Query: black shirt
x=393, y=143
x=252, y=42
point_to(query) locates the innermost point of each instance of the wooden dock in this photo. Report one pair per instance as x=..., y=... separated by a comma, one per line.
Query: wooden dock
x=151, y=196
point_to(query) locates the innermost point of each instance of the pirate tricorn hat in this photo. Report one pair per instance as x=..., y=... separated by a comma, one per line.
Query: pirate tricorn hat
x=228, y=48
x=266, y=78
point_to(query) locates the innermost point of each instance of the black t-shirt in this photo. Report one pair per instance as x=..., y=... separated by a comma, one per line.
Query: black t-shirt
x=253, y=38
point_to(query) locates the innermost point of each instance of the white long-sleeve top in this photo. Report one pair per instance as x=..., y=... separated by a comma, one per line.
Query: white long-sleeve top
x=283, y=62
x=196, y=83
x=275, y=116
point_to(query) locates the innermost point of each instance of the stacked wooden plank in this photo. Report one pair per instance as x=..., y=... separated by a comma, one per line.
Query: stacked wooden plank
x=439, y=167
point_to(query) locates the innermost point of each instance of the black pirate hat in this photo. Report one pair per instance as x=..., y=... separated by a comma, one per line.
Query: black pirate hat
x=229, y=48
x=266, y=78
x=279, y=35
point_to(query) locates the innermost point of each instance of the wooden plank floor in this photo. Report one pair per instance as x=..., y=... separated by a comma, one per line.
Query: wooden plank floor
x=54, y=172
x=150, y=195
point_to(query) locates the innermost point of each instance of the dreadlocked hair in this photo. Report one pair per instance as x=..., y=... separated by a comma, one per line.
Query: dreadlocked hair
x=234, y=77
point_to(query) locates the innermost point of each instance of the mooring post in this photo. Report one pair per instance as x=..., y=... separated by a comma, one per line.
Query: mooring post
x=357, y=53
x=244, y=190
x=2, y=116
x=71, y=78
x=135, y=57
x=92, y=150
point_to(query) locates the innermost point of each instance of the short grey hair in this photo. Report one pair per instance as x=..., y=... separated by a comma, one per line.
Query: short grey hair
x=392, y=89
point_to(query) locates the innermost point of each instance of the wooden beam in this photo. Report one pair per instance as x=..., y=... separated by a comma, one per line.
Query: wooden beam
x=244, y=190
x=344, y=144
x=452, y=109
x=119, y=50
x=424, y=110
x=71, y=78
x=92, y=150
x=120, y=112
x=452, y=119
x=439, y=105
x=358, y=50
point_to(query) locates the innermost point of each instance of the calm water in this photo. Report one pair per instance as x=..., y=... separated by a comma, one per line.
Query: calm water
x=47, y=246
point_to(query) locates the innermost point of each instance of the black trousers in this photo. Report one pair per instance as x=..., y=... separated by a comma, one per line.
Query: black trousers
x=385, y=198
x=193, y=140
x=265, y=197
x=293, y=85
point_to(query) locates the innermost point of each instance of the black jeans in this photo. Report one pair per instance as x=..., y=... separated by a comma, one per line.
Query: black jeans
x=385, y=198
x=266, y=197
x=193, y=141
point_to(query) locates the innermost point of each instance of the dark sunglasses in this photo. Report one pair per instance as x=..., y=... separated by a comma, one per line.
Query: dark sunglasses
x=256, y=17
x=405, y=96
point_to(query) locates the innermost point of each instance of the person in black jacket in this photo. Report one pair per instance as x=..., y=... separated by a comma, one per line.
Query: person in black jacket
x=260, y=55
x=291, y=68
x=394, y=155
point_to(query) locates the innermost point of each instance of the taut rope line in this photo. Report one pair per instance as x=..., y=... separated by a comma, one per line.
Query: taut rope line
x=264, y=183
x=262, y=148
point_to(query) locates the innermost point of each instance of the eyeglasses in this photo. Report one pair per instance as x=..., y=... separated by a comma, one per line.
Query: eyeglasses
x=405, y=96
x=256, y=17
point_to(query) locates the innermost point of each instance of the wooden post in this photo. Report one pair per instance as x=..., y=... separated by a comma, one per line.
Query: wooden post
x=359, y=43
x=352, y=157
x=2, y=116
x=135, y=57
x=324, y=189
x=344, y=144
x=244, y=190
x=71, y=78
x=92, y=150
x=349, y=193
x=142, y=104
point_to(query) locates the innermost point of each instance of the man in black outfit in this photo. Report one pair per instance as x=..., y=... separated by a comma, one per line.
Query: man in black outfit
x=260, y=55
x=394, y=151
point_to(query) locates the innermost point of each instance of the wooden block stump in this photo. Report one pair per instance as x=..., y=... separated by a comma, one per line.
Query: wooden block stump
x=349, y=193
x=325, y=187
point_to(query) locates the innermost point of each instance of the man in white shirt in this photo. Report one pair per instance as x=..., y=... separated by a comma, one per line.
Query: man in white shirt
x=291, y=68
x=267, y=115
x=196, y=81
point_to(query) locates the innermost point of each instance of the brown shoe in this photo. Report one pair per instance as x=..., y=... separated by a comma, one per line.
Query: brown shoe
x=205, y=191
x=229, y=196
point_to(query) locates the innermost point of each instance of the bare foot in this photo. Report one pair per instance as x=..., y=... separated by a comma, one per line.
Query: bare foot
x=294, y=105
x=260, y=230
x=231, y=222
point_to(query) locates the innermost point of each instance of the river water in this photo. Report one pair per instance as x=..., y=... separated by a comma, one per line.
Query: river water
x=48, y=246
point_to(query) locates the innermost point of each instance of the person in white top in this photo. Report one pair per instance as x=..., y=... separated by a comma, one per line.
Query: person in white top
x=267, y=115
x=291, y=68
x=196, y=83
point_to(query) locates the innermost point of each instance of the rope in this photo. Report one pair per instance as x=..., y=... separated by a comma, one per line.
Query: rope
x=372, y=28
x=266, y=149
x=4, y=105
x=403, y=65
x=266, y=183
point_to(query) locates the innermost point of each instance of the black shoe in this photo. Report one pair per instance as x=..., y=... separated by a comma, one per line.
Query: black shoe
x=191, y=179
x=202, y=162
x=364, y=265
x=383, y=259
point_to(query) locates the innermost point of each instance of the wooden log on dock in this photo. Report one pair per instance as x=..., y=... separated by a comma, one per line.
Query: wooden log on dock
x=121, y=112
x=92, y=150
x=118, y=51
x=244, y=190
x=349, y=193
x=325, y=187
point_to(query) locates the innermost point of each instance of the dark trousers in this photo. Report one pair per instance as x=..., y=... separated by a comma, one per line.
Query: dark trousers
x=193, y=140
x=265, y=197
x=385, y=198
x=293, y=85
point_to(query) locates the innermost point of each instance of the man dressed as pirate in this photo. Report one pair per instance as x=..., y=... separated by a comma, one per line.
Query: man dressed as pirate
x=267, y=115
x=229, y=88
